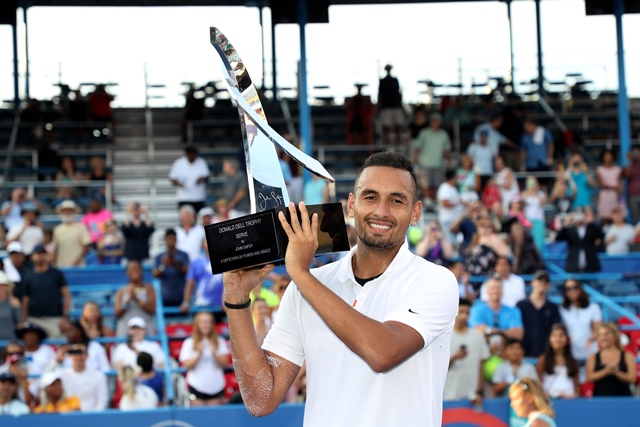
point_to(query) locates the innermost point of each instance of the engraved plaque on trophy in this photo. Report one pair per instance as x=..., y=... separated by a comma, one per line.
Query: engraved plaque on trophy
x=258, y=238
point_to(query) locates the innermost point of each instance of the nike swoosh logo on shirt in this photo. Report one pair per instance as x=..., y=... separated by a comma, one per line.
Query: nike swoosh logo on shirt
x=411, y=311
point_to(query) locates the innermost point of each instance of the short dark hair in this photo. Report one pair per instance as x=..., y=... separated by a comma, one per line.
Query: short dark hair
x=191, y=149
x=464, y=301
x=392, y=160
x=513, y=341
x=495, y=116
x=145, y=361
x=170, y=232
x=449, y=174
x=450, y=263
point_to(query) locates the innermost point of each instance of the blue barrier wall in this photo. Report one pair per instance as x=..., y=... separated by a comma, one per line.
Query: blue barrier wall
x=619, y=412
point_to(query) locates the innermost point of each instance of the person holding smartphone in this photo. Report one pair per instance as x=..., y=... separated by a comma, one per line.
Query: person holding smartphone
x=469, y=350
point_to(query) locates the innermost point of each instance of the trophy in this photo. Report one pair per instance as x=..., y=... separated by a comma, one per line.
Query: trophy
x=258, y=238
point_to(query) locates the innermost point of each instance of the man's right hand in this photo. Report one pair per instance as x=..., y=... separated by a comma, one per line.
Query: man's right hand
x=460, y=354
x=239, y=283
x=61, y=353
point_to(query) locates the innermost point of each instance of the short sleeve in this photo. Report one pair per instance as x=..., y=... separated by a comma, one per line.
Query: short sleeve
x=500, y=375
x=186, y=351
x=515, y=319
x=284, y=338
x=62, y=281
x=158, y=260
x=193, y=272
x=475, y=316
x=85, y=238
x=429, y=304
x=173, y=173
x=596, y=312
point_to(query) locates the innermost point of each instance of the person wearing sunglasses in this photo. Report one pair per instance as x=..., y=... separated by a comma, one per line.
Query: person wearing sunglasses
x=582, y=319
x=89, y=385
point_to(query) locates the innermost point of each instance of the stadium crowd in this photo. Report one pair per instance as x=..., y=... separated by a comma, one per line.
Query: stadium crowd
x=487, y=226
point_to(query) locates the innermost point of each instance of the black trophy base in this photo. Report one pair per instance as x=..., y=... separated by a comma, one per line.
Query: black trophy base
x=258, y=239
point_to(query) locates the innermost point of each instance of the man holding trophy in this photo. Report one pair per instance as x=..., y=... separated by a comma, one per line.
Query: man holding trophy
x=374, y=328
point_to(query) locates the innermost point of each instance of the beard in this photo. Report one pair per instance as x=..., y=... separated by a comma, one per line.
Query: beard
x=378, y=243
x=67, y=219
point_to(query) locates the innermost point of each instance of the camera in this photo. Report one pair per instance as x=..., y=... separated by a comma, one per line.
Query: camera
x=73, y=351
x=463, y=347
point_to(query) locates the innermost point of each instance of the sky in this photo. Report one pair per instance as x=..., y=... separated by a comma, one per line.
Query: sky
x=443, y=42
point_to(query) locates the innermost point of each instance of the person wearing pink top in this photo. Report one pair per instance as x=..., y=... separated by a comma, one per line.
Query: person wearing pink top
x=95, y=220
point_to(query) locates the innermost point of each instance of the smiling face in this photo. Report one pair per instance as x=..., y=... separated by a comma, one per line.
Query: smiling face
x=383, y=205
x=558, y=339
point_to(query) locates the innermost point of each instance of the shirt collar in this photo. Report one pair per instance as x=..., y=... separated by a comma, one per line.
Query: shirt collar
x=345, y=271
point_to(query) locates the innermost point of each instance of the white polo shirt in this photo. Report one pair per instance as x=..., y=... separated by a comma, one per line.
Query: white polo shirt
x=188, y=174
x=191, y=242
x=341, y=388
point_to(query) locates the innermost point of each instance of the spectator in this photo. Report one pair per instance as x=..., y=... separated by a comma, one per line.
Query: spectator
x=433, y=246
x=89, y=385
x=137, y=232
x=513, y=287
x=221, y=211
x=497, y=344
x=92, y=322
x=466, y=223
x=609, y=177
x=457, y=111
x=205, y=216
x=360, y=111
x=171, y=268
x=467, y=180
x=135, y=299
x=53, y=398
x=506, y=182
x=390, y=111
x=582, y=319
x=100, y=104
x=582, y=243
x=47, y=299
x=71, y=239
x=562, y=196
x=205, y=355
x=235, y=189
x=462, y=277
x=579, y=173
x=96, y=359
x=150, y=377
x=450, y=205
x=15, y=363
x=10, y=309
x=431, y=150
x=513, y=368
x=36, y=355
x=482, y=154
x=11, y=210
x=270, y=297
x=261, y=318
x=16, y=267
x=492, y=317
x=469, y=350
x=619, y=235
x=534, y=201
x=189, y=174
x=95, y=220
x=537, y=147
x=126, y=354
x=538, y=315
x=494, y=138
x=612, y=369
x=111, y=245
x=316, y=191
x=189, y=234
x=557, y=367
x=29, y=233
x=100, y=178
x=9, y=404
x=280, y=284
x=418, y=123
x=67, y=180
x=632, y=173
x=135, y=396
x=484, y=249
x=529, y=401
x=208, y=286
x=526, y=256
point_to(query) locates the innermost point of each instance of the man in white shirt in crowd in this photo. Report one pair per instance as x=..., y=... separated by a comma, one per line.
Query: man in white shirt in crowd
x=450, y=205
x=126, y=354
x=189, y=174
x=513, y=286
x=16, y=266
x=190, y=235
x=90, y=386
x=619, y=235
x=469, y=350
x=29, y=233
x=384, y=313
x=483, y=154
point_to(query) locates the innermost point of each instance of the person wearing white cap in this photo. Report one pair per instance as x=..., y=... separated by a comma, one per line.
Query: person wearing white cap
x=15, y=266
x=126, y=354
x=10, y=309
x=205, y=216
x=89, y=385
x=53, y=399
x=71, y=239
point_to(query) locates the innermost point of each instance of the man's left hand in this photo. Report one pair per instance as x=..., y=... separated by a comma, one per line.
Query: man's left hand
x=303, y=238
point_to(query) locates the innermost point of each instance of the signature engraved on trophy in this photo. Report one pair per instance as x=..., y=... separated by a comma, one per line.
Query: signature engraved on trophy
x=263, y=200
